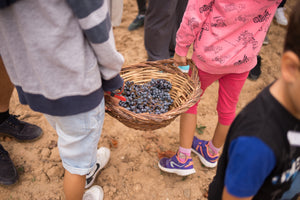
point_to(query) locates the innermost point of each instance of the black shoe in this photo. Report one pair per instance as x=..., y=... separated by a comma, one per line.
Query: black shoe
x=8, y=172
x=256, y=71
x=137, y=22
x=20, y=130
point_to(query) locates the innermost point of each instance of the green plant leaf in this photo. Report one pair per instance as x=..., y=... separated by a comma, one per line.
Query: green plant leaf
x=200, y=129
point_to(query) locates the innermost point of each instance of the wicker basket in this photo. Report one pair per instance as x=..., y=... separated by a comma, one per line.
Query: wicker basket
x=185, y=93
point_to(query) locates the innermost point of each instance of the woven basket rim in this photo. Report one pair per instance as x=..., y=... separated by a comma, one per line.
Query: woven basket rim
x=157, y=120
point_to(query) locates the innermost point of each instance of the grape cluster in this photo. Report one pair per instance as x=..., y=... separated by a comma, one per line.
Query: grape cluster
x=151, y=97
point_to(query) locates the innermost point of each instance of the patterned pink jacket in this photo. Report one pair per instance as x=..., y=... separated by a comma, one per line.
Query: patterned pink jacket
x=226, y=35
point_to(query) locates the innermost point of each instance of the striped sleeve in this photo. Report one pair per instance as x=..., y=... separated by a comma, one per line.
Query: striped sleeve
x=94, y=19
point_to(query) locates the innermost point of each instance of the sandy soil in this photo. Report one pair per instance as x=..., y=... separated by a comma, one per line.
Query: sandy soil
x=132, y=172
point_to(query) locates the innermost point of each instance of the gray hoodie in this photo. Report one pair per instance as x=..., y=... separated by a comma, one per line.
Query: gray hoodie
x=60, y=55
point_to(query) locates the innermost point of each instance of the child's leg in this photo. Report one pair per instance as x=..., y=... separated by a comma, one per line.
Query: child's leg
x=73, y=186
x=220, y=135
x=182, y=164
x=188, y=120
x=187, y=128
x=229, y=91
x=6, y=88
x=188, y=123
x=78, y=137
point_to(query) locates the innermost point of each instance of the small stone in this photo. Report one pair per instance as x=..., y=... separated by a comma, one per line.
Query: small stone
x=113, y=189
x=55, y=172
x=52, y=144
x=7, y=139
x=137, y=187
x=55, y=155
x=45, y=153
x=187, y=193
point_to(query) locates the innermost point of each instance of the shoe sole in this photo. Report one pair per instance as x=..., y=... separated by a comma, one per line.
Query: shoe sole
x=20, y=140
x=92, y=178
x=9, y=183
x=204, y=161
x=179, y=172
x=132, y=28
x=282, y=25
x=95, y=189
x=265, y=43
x=12, y=182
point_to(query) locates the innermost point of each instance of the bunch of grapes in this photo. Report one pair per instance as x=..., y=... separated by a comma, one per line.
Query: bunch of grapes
x=151, y=97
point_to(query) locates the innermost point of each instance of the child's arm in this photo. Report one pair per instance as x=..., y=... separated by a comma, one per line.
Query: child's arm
x=250, y=161
x=191, y=25
x=93, y=17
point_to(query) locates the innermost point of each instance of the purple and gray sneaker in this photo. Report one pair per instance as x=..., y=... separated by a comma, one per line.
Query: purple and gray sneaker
x=200, y=147
x=173, y=165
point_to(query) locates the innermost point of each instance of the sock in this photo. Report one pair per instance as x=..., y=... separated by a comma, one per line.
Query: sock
x=4, y=116
x=183, y=153
x=214, y=149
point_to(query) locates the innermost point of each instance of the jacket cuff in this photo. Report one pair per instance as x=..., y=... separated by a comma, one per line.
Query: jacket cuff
x=181, y=51
x=112, y=84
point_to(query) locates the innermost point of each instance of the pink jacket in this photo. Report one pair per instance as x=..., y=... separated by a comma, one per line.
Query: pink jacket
x=226, y=34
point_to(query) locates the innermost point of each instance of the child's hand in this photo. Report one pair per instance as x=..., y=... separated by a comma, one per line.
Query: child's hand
x=115, y=100
x=179, y=60
x=115, y=96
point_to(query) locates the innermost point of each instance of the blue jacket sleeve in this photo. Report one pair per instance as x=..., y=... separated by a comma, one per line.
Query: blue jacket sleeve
x=250, y=162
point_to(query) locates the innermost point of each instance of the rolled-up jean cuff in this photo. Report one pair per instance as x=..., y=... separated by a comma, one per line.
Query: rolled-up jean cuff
x=77, y=171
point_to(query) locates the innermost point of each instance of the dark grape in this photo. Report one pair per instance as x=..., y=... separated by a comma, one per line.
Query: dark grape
x=150, y=97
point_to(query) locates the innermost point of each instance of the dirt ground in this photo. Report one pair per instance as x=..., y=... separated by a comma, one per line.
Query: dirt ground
x=132, y=172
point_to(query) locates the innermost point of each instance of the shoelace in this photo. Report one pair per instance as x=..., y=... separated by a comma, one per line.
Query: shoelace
x=13, y=121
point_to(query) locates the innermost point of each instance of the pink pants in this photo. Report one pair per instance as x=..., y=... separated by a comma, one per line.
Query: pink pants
x=230, y=86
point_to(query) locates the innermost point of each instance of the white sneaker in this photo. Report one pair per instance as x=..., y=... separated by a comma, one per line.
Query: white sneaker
x=266, y=40
x=103, y=155
x=94, y=193
x=280, y=17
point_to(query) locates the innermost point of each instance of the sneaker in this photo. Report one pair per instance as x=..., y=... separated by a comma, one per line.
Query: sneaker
x=256, y=71
x=20, y=130
x=103, y=155
x=184, y=69
x=173, y=165
x=137, y=22
x=200, y=147
x=266, y=40
x=94, y=193
x=280, y=17
x=8, y=172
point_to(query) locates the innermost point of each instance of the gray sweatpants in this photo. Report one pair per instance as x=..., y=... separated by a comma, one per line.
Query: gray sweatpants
x=163, y=18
